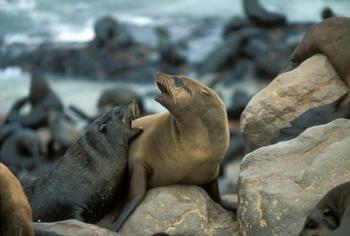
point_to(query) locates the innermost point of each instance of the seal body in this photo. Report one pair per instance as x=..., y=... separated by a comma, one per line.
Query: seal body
x=15, y=211
x=331, y=37
x=192, y=137
x=41, y=99
x=85, y=181
x=182, y=146
x=331, y=216
x=20, y=148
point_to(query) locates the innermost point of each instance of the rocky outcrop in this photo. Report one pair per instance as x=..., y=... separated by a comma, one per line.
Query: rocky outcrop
x=72, y=228
x=280, y=184
x=180, y=210
x=313, y=84
x=109, y=33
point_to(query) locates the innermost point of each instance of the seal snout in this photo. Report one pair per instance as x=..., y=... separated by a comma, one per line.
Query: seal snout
x=162, y=81
x=134, y=110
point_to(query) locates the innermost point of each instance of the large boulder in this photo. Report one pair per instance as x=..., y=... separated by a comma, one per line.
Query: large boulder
x=312, y=84
x=72, y=228
x=279, y=184
x=180, y=210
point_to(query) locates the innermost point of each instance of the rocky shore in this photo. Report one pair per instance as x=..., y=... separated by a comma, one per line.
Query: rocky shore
x=289, y=143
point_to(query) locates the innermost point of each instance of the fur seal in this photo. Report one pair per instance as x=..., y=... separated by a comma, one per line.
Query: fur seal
x=330, y=37
x=15, y=211
x=41, y=99
x=108, y=99
x=84, y=183
x=261, y=17
x=20, y=148
x=182, y=146
x=331, y=215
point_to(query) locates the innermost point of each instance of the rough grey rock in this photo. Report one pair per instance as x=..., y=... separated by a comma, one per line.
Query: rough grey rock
x=314, y=83
x=279, y=184
x=180, y=210
x=73, y=228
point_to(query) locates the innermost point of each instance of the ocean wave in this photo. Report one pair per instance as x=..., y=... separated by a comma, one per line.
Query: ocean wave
x=11, y=73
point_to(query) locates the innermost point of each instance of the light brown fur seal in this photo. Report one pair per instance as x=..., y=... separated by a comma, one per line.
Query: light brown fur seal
x=330, y=37
x=182, y=146
x=15, y=211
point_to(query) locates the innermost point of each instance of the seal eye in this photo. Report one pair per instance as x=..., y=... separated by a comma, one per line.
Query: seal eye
x=179, y=82
x=327, y=212
x=103, y=128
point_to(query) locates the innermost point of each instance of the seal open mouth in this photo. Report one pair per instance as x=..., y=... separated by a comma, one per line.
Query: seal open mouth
x=162, y=88
x=163, y=83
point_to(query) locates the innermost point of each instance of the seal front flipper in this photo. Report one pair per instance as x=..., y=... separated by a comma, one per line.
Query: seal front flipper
x=135, y=132
x=34, y=119
x=212, y=188
x=139, y=175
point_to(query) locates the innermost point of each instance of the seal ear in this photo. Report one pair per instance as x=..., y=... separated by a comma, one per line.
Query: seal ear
x=103, y=128
x=205, y=92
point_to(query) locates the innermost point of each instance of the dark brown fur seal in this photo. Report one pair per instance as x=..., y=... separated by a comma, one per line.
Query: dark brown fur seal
x=15, y=212
x=331, y=37
x=41, y=99
x=84, y=183
x=20, y=148
x=261, y=17
x=182, y=146
x=331, y=216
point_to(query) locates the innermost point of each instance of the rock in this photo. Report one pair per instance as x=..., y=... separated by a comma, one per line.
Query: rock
x=314, y=83
x=268, y=53
x=109, y=33
x=227, y=52
x=234, y=24
x=240, y=100
x=169, y=51
x=280, y=184
x=72, y=228
x=180, y=210
x=228, y=182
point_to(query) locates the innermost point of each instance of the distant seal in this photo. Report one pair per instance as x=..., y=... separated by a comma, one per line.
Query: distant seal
x=20, y=148
x=327, y=13
x=15, y=212
x=331, y=215
x=108, y=99
x=41, y=99
x=84, y=183
x=330, y=37
x=182, y=146
x=261, y=17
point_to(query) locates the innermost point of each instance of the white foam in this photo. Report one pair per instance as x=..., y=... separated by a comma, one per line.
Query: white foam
x=22, y=39
x=136, y=20
x=17, y=5
x=69, y=34
x=11, y=73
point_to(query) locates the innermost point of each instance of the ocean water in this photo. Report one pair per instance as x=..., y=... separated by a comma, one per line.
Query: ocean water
x=34, y=21
x=65, y=20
